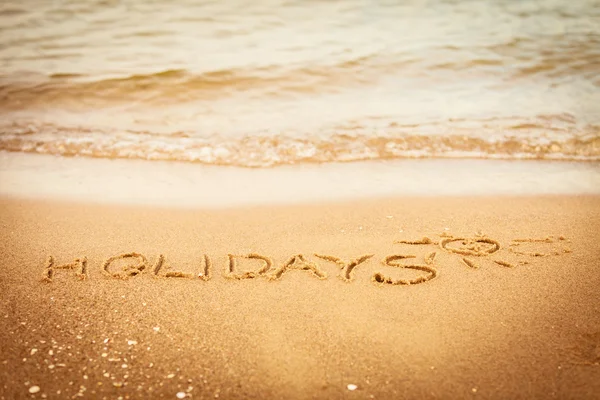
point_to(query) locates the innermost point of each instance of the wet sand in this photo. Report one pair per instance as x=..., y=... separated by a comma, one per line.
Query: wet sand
x=522, y=322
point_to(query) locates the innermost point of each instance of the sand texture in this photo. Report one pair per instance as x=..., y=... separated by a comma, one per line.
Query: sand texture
x=477, y=297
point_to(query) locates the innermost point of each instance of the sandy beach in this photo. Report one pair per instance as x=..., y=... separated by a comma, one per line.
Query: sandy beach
x=521, y=321
x=299, y=199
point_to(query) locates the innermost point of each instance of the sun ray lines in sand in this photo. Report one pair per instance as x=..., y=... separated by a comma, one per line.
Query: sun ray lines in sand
x=504, y=263
x=482, y=246
x=469, y=263
x=554, y=251
x=430, y=258
x=423, y=240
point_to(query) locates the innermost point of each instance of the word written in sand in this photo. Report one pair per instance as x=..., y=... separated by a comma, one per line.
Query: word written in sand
x=129, y=265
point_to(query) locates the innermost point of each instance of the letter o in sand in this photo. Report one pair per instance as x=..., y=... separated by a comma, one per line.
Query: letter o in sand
x=129, y=270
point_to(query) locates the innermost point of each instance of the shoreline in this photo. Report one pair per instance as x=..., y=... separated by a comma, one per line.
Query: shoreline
x=184, y=185
x=529, y=330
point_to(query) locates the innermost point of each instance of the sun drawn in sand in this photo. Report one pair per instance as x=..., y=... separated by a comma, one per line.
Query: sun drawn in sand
x=475, y=248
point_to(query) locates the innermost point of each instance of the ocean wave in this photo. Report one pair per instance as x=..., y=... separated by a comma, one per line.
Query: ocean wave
x=273, y=150
x=262, y=84
x=553, y=56
x=167, y=86
x=515, y=60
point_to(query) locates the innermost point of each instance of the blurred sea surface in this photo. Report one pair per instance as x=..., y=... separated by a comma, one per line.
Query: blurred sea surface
x=271, y=82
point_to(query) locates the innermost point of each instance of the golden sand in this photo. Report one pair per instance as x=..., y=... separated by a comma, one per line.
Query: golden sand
x=331, y=300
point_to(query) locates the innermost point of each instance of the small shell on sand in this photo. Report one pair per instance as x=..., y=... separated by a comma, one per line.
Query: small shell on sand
x=352, y=387
x=34, y=389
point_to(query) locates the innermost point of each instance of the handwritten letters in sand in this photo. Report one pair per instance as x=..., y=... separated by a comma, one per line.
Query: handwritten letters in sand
x=471, y=251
